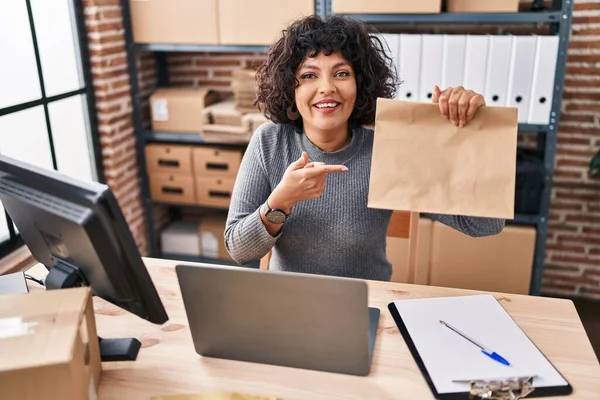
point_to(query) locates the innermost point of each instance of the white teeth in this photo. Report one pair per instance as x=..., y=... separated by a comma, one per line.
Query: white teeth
x=326, y=105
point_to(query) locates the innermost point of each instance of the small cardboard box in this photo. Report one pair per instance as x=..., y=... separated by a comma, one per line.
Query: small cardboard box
x=172, y=188
x=212, y=237
x=386, y=6
x=466, y=6
x=180, y=109
x=214, y=191
x=181, y=237
x=49, y=346
x=482, y=263
x=238, y=19
x=211, y=161
x=166, y=158
x=168, y=21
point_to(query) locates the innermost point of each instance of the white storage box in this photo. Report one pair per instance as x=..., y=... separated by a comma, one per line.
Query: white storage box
x=181, y=237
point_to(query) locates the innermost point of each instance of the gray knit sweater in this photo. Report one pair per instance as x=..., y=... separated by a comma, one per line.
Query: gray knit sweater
x=335, y=234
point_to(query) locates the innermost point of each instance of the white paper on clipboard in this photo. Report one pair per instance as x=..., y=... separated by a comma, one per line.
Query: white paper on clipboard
x=449, y=357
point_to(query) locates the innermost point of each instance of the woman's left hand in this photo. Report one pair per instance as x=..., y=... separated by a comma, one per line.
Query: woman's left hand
x=458, y=104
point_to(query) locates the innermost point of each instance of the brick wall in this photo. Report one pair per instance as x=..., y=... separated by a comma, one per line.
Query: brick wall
x=573, y=256
x=114, y=109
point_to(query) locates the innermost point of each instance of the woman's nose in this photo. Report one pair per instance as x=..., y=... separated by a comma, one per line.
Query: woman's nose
x=326, y=86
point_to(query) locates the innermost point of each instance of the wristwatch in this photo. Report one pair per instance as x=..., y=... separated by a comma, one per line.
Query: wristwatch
x=274, y=215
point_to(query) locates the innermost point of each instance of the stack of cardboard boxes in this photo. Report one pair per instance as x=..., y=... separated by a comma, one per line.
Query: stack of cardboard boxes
x=446, y=257
x=192, y=175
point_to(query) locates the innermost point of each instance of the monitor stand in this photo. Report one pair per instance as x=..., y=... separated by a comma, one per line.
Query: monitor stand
x=65, y=275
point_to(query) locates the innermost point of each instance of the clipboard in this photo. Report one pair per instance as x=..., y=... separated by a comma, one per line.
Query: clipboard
x=455, y=368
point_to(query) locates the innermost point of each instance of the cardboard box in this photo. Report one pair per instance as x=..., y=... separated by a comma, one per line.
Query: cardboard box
x=170, y=159
x=397, y=253
x=499, y=263
x=211, y=161
x=386, y=6
x=49, y=346
x=172, y=188
x=214, y=191
x=181, y=237
x=168, y=21
x=212, y=237
x=180, y=109
x=483, y=6
x=239, y=19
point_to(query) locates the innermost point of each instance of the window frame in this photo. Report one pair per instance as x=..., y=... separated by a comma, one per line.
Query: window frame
x=77, y=16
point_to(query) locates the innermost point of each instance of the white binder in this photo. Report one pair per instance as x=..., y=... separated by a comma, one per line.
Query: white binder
x=431, y=65
x=520, y=75
x=498, y=67
x=410, y=66
x=391, y=44
x=453, y=61
x=544, y=70
x=476, y=57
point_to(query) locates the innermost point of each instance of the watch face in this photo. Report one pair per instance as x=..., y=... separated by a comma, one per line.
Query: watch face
x=275, y=216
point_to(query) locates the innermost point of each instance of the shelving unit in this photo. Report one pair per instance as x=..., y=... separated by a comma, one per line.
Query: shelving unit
x=558, y=18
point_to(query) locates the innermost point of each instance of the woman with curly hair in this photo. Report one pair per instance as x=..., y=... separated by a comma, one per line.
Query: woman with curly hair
x=302, y=187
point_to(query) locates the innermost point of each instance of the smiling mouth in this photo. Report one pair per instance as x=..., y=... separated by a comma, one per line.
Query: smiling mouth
x=326, y=105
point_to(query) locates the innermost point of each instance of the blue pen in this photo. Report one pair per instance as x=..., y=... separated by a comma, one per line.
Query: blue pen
x=492, y=354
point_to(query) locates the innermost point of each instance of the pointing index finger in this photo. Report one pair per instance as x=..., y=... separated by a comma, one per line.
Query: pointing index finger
x=325, y=169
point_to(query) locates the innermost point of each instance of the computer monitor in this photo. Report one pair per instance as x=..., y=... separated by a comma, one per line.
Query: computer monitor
x=77, y=230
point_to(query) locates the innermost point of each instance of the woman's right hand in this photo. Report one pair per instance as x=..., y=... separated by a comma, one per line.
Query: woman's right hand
x=301, y=181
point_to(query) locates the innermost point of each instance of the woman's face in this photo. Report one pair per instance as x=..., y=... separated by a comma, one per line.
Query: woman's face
x=326, y=94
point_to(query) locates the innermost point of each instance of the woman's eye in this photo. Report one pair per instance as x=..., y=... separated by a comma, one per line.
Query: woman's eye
x=308, y=76
x=343, y=73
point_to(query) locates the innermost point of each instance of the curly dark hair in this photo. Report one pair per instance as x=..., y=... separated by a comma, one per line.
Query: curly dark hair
x=357, y=42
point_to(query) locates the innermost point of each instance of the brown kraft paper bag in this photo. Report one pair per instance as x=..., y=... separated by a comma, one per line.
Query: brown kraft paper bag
x=422, y=162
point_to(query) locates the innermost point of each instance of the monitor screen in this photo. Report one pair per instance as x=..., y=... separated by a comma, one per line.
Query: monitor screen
x=77, y=230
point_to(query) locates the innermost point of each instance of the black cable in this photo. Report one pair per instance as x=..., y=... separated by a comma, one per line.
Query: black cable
x=39, y=282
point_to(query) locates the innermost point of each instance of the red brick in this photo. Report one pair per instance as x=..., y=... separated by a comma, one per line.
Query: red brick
x=581, y=6
x=585, y=19
x=584, y=239
x=570, y=278
x=577, y=117
x=574, y=259
x=571, y=163
x=217, y=62
x=561, y=205
x=565, y=249
x=570, y=140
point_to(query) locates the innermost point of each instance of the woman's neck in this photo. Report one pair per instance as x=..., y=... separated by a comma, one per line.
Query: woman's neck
x=329, y=141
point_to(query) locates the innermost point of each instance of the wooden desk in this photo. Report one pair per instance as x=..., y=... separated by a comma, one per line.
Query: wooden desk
x=168, y=364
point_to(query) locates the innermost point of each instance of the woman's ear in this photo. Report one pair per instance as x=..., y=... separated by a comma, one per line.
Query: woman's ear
x=292, y=112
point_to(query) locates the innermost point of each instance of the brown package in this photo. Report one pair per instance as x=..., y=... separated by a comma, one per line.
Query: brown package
x=483, y=6
x=180, y=109
x=499, y=263
x=168, y=21
x=386, y=6
x=422, y=162
x=49, y=345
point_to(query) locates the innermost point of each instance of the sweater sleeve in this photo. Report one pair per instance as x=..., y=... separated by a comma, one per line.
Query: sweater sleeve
x=472, y=226
x=246, y=237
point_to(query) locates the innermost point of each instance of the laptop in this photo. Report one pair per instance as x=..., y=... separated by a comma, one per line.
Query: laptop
x=297, y=320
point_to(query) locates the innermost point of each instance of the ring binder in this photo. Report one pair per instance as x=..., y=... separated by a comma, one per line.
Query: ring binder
x=510, y=389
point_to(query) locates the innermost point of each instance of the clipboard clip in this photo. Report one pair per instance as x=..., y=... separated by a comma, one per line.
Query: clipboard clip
x=509, y=389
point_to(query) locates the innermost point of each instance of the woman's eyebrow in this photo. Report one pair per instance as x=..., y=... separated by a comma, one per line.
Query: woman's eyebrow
x=336, y=65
